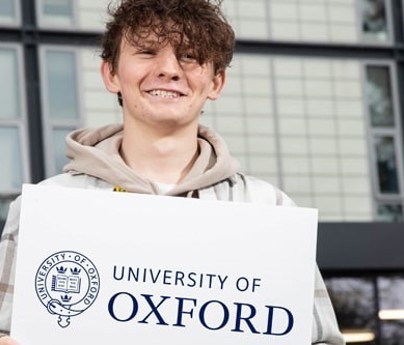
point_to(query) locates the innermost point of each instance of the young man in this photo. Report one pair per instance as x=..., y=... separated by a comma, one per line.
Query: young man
x=163, y=59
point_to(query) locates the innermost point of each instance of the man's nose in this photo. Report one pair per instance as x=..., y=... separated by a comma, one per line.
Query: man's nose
x=169, y=67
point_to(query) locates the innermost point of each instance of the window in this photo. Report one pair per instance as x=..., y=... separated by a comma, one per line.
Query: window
x=370, y=307
x=9, y=13
x=353, y=299
x=60, y=102
x=11, y=121
x=59, y=157
x=391, y=311
x=380, y=98
x=390, y=212
x=384, y=138
x=375, y=21
x=9, y=95
x=62, y=92
x=13, y=151
x=386, y=164
x=56, y=13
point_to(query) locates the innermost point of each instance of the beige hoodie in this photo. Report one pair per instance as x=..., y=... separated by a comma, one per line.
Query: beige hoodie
x=95, y=152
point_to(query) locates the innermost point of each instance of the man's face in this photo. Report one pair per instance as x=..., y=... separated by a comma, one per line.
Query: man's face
x=160, y=86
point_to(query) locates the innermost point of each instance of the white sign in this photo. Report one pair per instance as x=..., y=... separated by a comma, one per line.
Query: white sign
x=97, y=267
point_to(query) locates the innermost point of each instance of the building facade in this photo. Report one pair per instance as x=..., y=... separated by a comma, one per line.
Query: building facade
x=313, y=105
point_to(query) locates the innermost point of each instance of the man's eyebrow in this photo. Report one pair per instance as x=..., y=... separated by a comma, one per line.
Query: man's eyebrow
x=145, y=42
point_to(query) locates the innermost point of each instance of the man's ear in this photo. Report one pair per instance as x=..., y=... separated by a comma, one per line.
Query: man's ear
x=217, y=85
x=110, y=79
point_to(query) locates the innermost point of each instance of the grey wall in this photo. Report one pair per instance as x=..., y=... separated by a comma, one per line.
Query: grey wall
x=361, y=246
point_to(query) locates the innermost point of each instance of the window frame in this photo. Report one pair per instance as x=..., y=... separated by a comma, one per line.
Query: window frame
x=394, y=132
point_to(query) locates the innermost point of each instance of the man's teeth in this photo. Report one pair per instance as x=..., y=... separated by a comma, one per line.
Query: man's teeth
x=165, y=94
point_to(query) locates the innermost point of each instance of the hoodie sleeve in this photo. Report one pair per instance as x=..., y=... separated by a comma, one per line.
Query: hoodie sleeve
x=8, y=253
x=325, y=330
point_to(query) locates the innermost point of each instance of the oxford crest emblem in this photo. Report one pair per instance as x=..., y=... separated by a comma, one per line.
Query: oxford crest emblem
x=67, y=283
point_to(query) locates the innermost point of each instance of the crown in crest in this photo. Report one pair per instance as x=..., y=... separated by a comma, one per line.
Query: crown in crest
x=75, y=271
x=65, y=298
x=61, y=269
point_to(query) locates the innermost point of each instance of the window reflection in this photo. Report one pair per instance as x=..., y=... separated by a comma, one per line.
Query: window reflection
x=391, y=298
x=393, y=333
x=379, y=96
x=363, y=303
x=353, y=300
x=390, y=213
x=386, y=164
x=374, y=20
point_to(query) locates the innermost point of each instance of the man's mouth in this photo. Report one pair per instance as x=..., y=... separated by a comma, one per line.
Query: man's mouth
x=165, y=93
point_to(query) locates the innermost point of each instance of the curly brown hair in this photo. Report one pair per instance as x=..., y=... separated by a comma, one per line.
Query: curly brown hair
x=196, y=25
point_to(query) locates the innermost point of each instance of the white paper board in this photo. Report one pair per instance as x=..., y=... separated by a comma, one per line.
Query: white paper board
x=98, y=267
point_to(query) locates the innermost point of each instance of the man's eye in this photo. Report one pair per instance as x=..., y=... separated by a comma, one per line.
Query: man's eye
x=188, y=57
x=146, y=52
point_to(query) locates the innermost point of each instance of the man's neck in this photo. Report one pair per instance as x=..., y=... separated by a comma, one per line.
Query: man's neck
x=160, y=156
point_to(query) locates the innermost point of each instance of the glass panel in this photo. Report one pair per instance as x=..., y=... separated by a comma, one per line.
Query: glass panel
x=60, y=159
x=391, y=309
x=7, y=9
x=374, y=21
x=354, y=303
x=386, y=165
x=57, y=8
x=57, y=12
x=10, y=158
x=62, y=85
x=9, y=85
x=378, y=88
x=390, y=213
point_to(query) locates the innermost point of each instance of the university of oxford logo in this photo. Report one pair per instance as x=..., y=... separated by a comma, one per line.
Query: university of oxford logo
x=67, y=283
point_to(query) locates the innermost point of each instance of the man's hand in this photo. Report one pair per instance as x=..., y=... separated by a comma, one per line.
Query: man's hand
x=7, y=341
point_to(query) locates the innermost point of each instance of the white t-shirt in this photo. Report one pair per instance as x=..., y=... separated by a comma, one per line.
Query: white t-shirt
x=165, y=187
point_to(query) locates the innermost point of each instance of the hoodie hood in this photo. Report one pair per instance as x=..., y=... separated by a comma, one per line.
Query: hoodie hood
x=95, y=152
